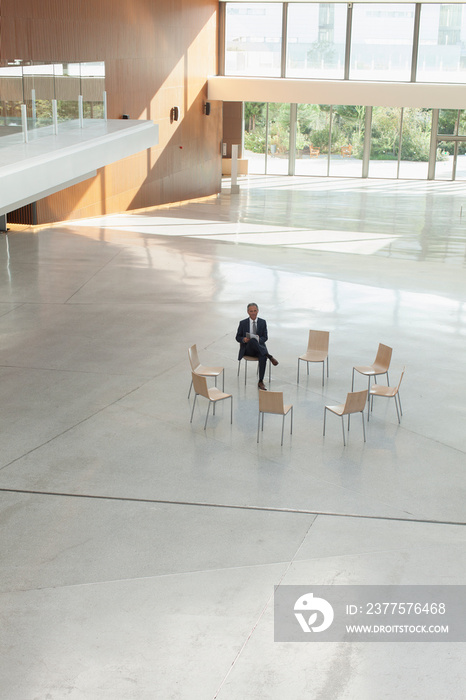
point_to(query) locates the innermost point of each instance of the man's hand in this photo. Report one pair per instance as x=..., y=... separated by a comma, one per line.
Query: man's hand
x=245, y=340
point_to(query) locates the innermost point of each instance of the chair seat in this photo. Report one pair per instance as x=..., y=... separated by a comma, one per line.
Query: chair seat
x=252, y=358
x=380, y=390
x=215, y=394
x=337, y=409
x=370, y=370
x=314, y=356
x=208, y=371
x=286, y=409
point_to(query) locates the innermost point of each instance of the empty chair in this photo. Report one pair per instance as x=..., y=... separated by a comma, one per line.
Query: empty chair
x=355, y=403
x=250, y=358
x=380, y=366
x=317, y=351
x=202, y=370
x=213, y=395
x=389, y=392
x=272, y=402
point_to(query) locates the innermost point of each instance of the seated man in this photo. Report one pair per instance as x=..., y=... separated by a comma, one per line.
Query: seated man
x=254, y=346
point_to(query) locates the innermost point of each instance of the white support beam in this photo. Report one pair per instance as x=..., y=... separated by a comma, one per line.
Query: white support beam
x=336, y=92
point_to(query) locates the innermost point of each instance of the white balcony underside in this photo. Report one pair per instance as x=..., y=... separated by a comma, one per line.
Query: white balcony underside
x=47, y=164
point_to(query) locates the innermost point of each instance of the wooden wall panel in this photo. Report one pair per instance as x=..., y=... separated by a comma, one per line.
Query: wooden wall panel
x=158, y=54
x=232, y=125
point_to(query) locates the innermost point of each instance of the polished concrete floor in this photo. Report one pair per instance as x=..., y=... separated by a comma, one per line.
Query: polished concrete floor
x=139, y=553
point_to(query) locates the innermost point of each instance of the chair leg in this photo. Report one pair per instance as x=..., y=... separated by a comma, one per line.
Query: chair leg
x=323, y=372
x=399, y=402
x=327, y=366
x=291, y=427
x=239, y=367
x=297, y=378
x=325, y=415
x=190, y=387
x=363, y=426
x=397, y=411
x=343, y=430
x=231, y=410
x=192, y=412
x=258, y=425
x=352, y=383
x=223, y=380
x=207, y=415
x=245, y=372
x=283, y=428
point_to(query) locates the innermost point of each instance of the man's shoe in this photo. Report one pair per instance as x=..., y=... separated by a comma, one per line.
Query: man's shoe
x=261, y=385
x=273, y=361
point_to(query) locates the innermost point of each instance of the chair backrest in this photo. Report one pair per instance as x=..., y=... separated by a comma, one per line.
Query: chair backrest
x=200, y=385
x=355, y=402
x=318, y=340
x=384, y=356
x=271, y=402
x=401, y=377
x=193, y=357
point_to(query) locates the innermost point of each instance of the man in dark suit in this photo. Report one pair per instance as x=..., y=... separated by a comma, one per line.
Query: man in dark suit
x=252, y=336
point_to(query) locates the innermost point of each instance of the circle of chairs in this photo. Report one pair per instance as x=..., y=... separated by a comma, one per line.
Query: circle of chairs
x=272, y=401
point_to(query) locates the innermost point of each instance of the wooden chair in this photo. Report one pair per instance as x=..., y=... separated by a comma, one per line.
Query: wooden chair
x=313, y=152
x=317, y=351
x=380, y=366
x=250, y=358
x=345, y=151
x=272, y=402
x=202, y=370
x=389, y=392
x=213, y=395
x=355, y=403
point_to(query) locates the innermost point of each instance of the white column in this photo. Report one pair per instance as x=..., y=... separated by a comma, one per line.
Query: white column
x=24, y=123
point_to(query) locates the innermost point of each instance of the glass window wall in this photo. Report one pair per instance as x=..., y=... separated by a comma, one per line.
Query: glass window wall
x=278, y=146
x=381, y=41
x=445, y=160
x=385, y=142
x=442, y=41
x=330, y=140
x=316, y=38
x=415, y=143
x=348, y=126
x=312, y=139
x=253, y=39
x=255, y=136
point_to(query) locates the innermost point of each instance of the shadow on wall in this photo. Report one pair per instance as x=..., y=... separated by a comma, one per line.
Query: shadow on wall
x=157, y=55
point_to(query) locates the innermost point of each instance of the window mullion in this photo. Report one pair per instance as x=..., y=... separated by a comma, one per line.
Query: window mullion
x=415, y=54
x=284, y=35
x=349, y=24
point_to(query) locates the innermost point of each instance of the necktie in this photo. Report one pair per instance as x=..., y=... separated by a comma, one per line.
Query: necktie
x=254, y=327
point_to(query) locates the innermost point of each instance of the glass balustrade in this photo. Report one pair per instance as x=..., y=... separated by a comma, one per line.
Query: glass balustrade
x=75, y=90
